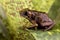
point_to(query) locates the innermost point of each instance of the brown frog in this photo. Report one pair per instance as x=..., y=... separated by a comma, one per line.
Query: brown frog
x=38, y=19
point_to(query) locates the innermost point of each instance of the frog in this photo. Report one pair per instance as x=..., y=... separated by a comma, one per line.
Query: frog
x=40, y=20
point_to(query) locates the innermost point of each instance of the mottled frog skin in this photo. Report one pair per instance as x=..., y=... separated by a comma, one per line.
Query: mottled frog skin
x=38, y=19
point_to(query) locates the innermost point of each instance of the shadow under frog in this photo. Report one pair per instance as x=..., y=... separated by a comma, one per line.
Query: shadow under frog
x=40, y=20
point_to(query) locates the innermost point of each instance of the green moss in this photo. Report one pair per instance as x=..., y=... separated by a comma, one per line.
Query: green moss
x=15, y=22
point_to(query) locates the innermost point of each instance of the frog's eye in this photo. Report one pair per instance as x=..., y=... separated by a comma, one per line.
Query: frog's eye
x=25, y=13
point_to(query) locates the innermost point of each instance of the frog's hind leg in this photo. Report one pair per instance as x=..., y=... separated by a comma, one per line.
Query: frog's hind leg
x=50, y=27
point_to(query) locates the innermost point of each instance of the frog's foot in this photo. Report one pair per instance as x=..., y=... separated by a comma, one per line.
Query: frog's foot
x=33, y=27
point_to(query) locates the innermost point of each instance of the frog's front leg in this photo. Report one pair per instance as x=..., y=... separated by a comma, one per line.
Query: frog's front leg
x=34, y=25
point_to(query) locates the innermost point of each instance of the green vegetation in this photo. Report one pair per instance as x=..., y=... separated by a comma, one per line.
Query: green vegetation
x=15, y=23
